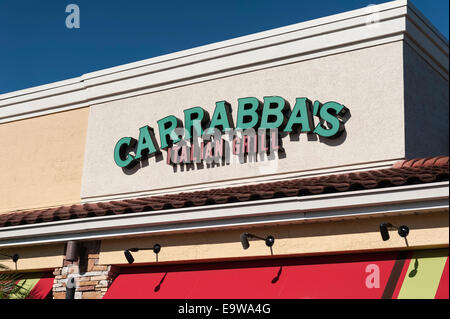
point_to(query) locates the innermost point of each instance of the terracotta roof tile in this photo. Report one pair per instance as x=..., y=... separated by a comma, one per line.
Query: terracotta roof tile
x=399, y=164
x=442, y=160
x=404, y=172
x=419, y=162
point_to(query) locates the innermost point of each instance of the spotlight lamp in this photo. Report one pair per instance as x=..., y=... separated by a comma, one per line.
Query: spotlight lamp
x=14, y=257
x=127, y=252
x=403, y=230
x=270, y=240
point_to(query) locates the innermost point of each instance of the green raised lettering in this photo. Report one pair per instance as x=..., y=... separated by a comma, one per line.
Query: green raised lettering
x=328, y=113
x=166, y=126
x=274, y=113
x=221, y=118
x=300, y=116
x=121, y=158
x=196, y=119
x=248, y=107
x=146, y=142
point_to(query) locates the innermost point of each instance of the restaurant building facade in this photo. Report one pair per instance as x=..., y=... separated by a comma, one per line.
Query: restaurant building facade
x=320, y=169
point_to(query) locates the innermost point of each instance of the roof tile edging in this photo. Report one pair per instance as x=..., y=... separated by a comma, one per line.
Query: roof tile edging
x=403, y=172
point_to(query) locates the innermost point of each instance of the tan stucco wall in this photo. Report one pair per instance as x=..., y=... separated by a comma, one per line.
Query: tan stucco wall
x=426, y=231
x=34, y=257
x=42, y=160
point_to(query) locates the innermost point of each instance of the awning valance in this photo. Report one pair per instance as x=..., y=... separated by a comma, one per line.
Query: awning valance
x=380, y=275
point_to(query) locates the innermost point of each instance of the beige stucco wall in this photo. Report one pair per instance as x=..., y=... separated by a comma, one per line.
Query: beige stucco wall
x=426, y=231
x=34, y=257
x=42, y=160
x=369, y=82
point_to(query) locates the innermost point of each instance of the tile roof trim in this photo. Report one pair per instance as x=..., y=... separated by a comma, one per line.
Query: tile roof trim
x=384, y=201
x=405, y=172
x=422, y=162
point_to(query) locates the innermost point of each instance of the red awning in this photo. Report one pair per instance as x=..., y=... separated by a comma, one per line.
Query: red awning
x=33, y=286
x=42, y=288
x=351, y=276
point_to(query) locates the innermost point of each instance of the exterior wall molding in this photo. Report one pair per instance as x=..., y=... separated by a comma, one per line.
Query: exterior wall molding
x=428, y=42
x=330, y=35
x=390, y=201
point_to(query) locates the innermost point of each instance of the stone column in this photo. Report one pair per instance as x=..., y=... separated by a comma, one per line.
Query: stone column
x=92, y=279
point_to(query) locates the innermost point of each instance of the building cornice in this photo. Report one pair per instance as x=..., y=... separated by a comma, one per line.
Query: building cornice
x=397, y=21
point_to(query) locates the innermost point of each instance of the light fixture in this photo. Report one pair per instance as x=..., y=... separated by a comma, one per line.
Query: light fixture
x=403, y=230
x=270, y=240
x=127, y=252
x=14, y=257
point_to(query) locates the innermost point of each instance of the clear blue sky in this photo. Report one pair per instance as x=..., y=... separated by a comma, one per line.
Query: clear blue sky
x=36, y=47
